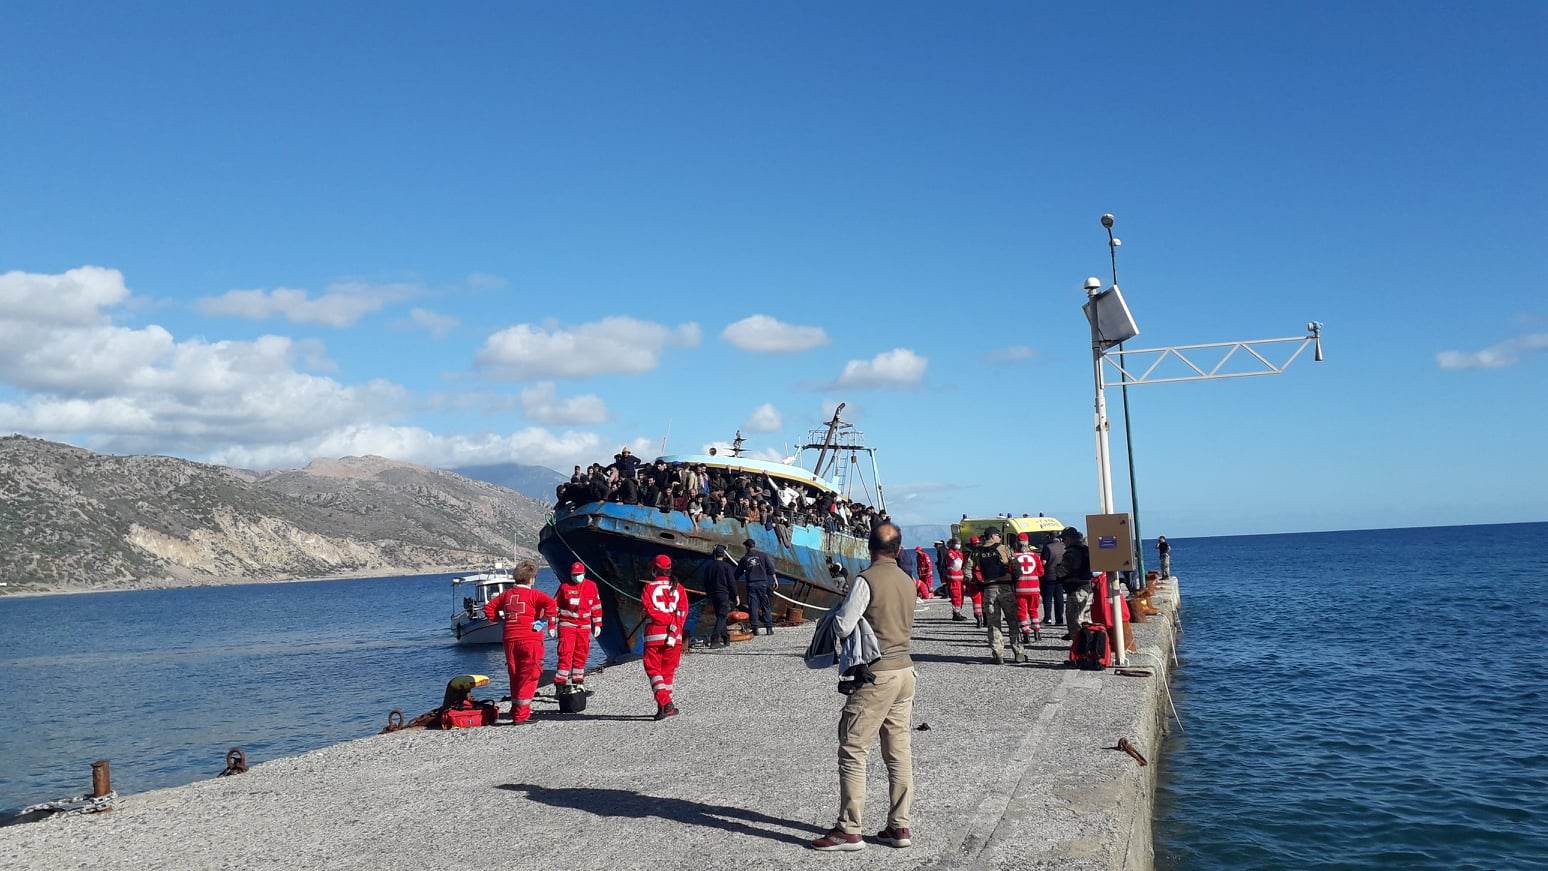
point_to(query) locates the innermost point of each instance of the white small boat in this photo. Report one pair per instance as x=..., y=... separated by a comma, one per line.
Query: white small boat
x=469, y=595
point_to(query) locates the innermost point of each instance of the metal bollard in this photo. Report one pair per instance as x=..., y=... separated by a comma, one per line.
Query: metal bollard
x=101, y=778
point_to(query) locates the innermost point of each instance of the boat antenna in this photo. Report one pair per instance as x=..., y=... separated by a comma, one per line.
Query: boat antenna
x=736, y=444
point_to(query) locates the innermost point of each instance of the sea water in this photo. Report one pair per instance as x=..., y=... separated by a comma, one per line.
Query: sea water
x=1367, y=699
x=164, y=682
x=1350, y=699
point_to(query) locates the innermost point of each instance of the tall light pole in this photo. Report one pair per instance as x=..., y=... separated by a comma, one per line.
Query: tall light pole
x=1128, y=429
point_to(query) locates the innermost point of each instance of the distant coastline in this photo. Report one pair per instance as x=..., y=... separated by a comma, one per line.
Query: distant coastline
x=19, y=592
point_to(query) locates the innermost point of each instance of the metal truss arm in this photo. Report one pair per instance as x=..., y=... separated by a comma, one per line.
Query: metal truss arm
x=1117, y=371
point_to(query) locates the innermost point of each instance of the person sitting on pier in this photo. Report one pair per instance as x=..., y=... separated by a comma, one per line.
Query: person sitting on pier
x=527, y=613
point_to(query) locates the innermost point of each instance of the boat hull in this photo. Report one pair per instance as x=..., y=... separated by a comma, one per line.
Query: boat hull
x=617, y=543
x=476, y=630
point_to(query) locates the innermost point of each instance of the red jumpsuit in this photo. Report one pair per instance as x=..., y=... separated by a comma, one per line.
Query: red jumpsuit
x=523, y=644
x=978, y=592
x=666, y=609
x=580, y=613
x=925, y=585
x=1027, y=571
x=953, y=570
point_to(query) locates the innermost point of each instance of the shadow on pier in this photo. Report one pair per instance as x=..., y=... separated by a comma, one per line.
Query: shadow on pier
x=624, y=803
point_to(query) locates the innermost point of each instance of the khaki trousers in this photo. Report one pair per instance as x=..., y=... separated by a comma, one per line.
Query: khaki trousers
x=886, y=706
x=1077, y=607
x=1000, y=606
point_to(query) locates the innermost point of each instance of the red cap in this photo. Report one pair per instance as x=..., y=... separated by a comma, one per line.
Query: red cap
x=1023, y=537
x=577, y=568
x=662, y=562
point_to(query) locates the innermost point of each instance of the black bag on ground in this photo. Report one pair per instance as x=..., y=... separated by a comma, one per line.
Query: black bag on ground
x=572, y=702
x=1090, y=650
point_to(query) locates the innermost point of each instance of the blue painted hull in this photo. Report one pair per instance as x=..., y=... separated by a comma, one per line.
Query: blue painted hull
x=617, y=543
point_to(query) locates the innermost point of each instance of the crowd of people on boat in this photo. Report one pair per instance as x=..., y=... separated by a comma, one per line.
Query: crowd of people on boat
x=710, y=494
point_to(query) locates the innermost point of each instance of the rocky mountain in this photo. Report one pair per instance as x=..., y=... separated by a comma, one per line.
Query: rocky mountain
x=71, y=518
x=537, y=482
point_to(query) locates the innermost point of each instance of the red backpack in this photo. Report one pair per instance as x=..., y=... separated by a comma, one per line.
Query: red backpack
x=1090, y=649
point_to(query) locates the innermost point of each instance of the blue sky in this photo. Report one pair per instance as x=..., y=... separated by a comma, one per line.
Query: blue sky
x=442, y=219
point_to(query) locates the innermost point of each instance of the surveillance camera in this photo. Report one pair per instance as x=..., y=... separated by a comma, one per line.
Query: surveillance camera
x=1093, y=283
x=1107, y=221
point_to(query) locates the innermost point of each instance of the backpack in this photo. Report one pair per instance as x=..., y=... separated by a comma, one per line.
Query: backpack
x=1090, y=650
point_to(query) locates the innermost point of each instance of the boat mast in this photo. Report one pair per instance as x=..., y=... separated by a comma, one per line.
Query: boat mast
x=827, y=440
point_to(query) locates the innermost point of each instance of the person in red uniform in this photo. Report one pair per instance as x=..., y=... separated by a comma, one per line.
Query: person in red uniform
x=580, y=620
x=666, y=609
x=1027, y=572
x=526, y=612
x=977, y=587
x=954, y=568
x=924, y=584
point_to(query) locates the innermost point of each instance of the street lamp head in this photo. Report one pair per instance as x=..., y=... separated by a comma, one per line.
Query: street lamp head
x=1093, y=284
x=1107, y=220
x=1116, y=242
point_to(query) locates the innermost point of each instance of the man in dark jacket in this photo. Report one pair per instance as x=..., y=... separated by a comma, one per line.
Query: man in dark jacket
x=758, y=571
x=1075, y=574
x=720, y=584
x=1052, y=588
x=627, y=464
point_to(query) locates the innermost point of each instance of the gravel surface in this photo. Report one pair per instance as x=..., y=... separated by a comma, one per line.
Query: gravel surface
x=1016, y=771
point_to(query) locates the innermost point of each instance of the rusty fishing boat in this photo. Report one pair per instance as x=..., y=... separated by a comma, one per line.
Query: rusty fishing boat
x=812, y=561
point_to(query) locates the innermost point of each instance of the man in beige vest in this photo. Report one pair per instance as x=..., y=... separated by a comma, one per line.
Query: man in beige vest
x=883, y=595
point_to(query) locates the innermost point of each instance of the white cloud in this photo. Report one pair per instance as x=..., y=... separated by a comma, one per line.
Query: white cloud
x=612, y=345
x=533, y=445
x=899, y=367
x=764, y=418
x=486, y=281
x=1496, y=356
x=74, y=297
x=765, y=334
x=436, y=324
x=541, y=403
x=341, y=305
x=1012, y=354
x=124, y=388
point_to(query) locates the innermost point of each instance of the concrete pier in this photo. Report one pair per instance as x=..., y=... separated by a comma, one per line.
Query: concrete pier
x=1016, y=771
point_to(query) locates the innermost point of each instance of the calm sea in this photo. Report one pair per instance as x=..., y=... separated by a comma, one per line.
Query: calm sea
x=1351, y=700
x=163, y=682
x=1360, y=700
